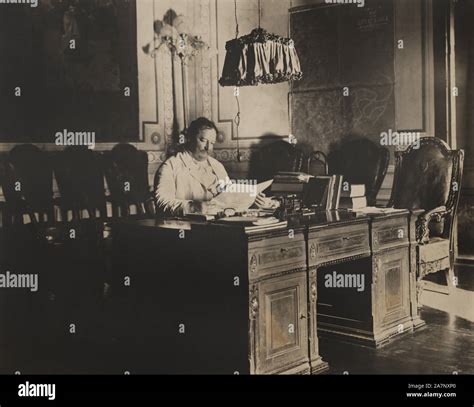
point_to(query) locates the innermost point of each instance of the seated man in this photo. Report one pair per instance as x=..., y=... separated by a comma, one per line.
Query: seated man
x=188, y=181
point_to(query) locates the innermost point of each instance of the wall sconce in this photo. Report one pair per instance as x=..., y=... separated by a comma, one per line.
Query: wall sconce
x=173, y=32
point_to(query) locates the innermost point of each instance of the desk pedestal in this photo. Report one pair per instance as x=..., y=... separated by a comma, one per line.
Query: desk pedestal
x=366, y=289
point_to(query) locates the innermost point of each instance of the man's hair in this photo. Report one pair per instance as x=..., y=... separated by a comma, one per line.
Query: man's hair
x=192, y=132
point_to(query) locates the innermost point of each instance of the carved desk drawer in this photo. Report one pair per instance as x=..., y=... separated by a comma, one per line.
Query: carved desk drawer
x=390, y=232
x=333, y=244
x=275, y=255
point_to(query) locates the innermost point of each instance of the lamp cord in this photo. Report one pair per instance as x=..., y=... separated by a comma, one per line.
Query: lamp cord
x=236, y=91
x=259, y=14
x=237, y=125
x=236, y=20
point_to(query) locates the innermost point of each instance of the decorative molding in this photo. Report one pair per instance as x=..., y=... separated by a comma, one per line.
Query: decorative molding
x=156, y=157
x=205, y=61
x=313, y=292
x=230, y=154
x=312, y=251
x=168, y=76
x=153, y=125
x=254, y=305
x=229, y=123
x=253, y=264
x=375, y=269
x=375, y=238
x=433, y=266
x=341, y=260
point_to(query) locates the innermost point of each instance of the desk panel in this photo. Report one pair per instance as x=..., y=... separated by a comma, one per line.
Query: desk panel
x=334, y=243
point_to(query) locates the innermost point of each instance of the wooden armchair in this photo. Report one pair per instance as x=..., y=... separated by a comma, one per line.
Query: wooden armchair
x=429, y=178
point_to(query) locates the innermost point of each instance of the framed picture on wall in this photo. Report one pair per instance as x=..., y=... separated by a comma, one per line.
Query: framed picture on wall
x=72, y=66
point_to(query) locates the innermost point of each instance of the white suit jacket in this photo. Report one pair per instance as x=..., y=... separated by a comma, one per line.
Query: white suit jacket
x=178, y=184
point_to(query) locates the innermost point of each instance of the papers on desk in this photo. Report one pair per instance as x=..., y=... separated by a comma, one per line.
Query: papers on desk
x=266, y=224
x=175, y=224
x=373, y=210
x=240, y=196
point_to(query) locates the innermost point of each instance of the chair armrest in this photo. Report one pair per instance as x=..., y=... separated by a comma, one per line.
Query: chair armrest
x=422, y=224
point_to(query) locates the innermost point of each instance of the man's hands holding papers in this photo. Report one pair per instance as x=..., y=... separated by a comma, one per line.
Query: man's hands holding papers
x=242, y=197
x=262, y=202
x=238, y=200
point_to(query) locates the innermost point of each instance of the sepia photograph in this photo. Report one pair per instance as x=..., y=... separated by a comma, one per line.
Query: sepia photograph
x=237, y=188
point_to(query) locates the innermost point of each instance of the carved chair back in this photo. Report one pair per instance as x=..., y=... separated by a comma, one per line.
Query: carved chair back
x=361, y=161
x=429, y=178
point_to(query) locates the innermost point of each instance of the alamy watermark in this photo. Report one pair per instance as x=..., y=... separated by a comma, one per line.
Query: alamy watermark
x=360, y=3
x=37, y=390
x=32, y=3
x=402, y=138
x=344, y=280
x=78, y=138
x=11, y=280
x=244, y=186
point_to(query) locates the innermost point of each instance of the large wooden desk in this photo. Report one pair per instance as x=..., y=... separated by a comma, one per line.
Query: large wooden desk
x=253, y=302
x=241, y=296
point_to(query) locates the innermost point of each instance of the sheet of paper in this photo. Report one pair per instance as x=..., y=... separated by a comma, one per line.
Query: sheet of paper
x=240, y=197
x=376, y=210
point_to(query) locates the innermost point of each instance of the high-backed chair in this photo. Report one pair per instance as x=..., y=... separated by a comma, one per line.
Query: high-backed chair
x=126, y=172
x=361, y=161
x=275, y=157
x=79, y=239
x=28, y=185
x=429, y=178
x=80, y=177
x=27, y=180
x=316, y=164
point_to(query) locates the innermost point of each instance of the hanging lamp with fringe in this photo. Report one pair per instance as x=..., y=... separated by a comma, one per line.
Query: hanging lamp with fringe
x=260, y=58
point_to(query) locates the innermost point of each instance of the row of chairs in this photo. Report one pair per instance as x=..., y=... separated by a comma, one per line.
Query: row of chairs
x=71, y=253
x=27, y=182
x=27, y=177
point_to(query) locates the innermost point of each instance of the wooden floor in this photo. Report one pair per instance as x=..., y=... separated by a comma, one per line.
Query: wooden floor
x=445, y=345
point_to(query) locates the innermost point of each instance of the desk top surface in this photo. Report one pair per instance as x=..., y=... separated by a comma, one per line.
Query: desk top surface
x=320, y=219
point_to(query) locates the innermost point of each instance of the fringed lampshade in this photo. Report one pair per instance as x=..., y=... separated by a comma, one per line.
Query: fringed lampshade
x=260, y=57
